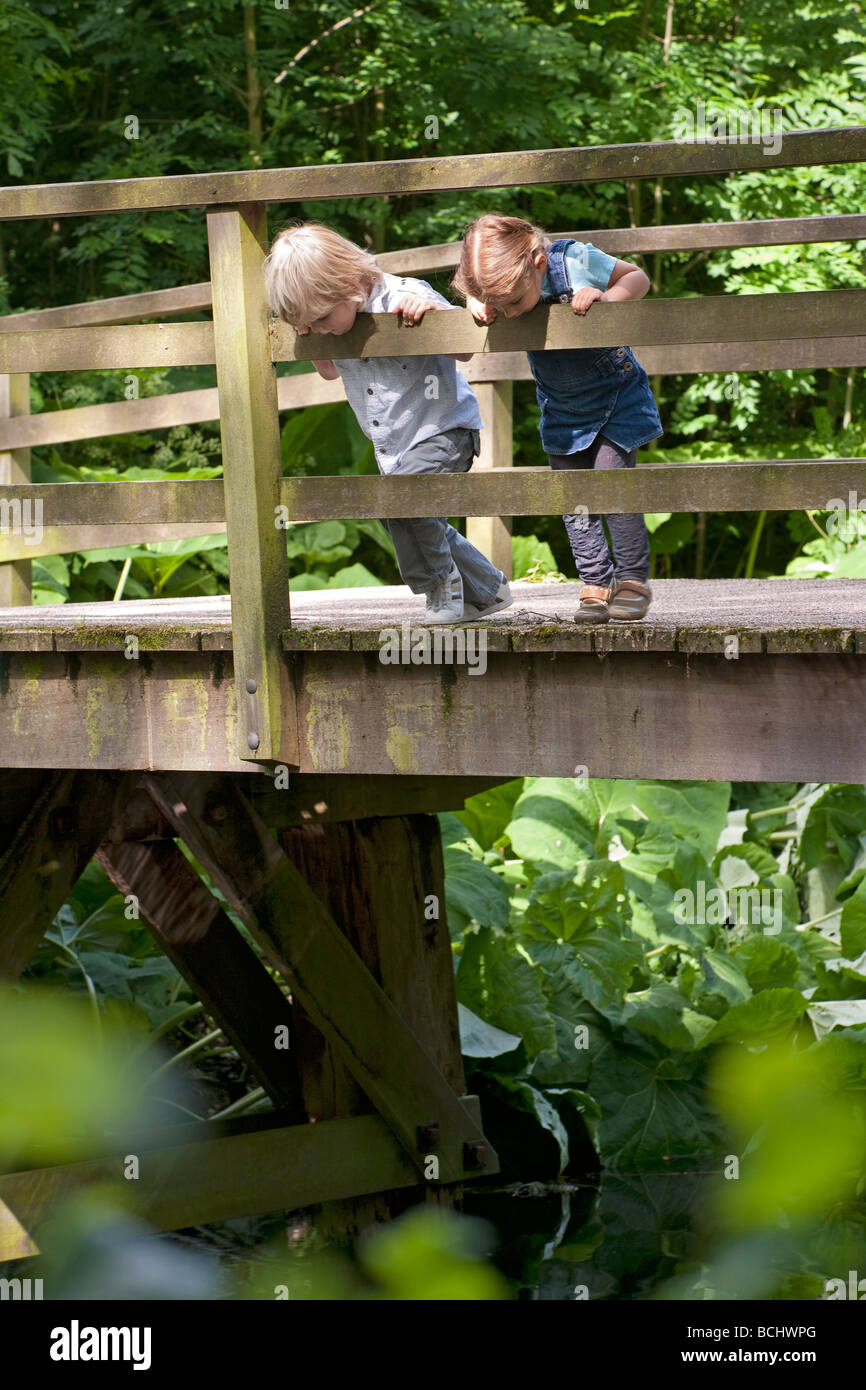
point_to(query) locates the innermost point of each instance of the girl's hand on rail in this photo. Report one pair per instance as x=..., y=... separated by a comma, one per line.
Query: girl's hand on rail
x=482, y=313
x=584, y=298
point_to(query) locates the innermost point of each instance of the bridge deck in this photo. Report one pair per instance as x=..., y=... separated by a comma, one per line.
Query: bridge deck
x=672, y=697
x=807, y=616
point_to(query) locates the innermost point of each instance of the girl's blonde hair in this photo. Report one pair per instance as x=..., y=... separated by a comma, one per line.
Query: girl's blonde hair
x=311, y=269
x=497, y=256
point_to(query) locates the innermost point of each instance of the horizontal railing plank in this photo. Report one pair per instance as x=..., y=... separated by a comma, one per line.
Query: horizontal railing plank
x=708, y=319
x=125, y=308
x=630, y=241
x=99, y=349
x=295, y=392
x=781, y=485
x=587, y=164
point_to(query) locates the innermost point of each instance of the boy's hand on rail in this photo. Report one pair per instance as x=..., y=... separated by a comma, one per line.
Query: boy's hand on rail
x=326, y=369
x=411, y=309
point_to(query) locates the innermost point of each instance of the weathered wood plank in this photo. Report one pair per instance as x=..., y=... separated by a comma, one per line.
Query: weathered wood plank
x=704, y=713
x=217, y=1179
x=130, y=345
x=252, y=468
x=284, y=800
x=780, y=485
x=492, y=534
x=382, y=881
x=15, y=575
x=327, y=976
x=152, y=413
x=707, y=319
x=687, y=359
x=46, y=855
x=616, y=241
x=204, y=945
x=586, y=164
x=685, y=236
x=124, y=308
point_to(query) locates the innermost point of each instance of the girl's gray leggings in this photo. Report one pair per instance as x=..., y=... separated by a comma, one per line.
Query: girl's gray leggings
x=628, y=533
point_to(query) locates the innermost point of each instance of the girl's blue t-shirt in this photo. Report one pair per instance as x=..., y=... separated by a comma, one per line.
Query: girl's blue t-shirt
x=585, y=266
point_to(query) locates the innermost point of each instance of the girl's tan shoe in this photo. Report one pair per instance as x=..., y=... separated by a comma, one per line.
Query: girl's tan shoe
x=630, y=599
x=593, y=606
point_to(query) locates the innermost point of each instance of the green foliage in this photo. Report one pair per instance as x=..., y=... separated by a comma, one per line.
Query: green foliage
x=621, y=1000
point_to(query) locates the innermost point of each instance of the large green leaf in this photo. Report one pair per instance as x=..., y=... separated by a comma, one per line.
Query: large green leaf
x=652, y=1106
x=766, y=1015
x=853, y=923
x=487, y=814
x=480, y=1039
x=833, y=825
x=565, y=904
x=555, y=821
x=599, y=966
x=497, y=982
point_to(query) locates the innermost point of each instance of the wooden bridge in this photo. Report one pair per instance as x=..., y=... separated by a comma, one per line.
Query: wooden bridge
x=127, y=726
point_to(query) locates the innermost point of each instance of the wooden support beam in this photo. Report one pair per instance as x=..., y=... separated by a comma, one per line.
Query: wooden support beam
x=218, y=1179
x=250, y=431
x=789, y=709
x=15, y=575
x=586, y=164
x=492, y=534
x=327, y=976
x=45, y=856
x=382, y=880
x=205, y=946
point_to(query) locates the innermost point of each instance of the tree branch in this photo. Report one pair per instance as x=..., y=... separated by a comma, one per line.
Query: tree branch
x=308, y=47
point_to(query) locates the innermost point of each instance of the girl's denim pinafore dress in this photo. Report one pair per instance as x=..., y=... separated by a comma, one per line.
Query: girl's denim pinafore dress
x=584, y=392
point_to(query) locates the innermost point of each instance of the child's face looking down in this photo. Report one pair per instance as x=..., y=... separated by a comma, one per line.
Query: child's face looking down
x=528, y=292
x=337, y=320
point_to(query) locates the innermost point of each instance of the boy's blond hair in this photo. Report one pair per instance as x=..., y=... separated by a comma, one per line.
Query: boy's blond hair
x=497, y=256
x=310, y=269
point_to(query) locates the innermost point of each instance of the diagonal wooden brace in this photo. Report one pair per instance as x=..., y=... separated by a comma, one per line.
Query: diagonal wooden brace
x=45, y=854
x=208, y=950
x=328, y=978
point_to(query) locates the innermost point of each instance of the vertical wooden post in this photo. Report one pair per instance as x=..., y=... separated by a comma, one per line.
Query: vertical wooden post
x=250, y=432
x=492, y=534
x=15, y=575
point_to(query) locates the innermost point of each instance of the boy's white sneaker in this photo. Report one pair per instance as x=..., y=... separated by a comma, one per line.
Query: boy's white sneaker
x=445, y=601
x=503, y=598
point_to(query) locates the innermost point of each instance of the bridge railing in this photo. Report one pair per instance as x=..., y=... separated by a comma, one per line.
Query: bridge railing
x=254, y=500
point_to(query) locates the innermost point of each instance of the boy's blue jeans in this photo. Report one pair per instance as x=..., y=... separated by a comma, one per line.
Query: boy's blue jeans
x=628, y=533
x=428, y=546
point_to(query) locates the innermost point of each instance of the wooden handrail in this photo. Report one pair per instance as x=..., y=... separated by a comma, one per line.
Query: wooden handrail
x=412, y=260
x=517, y=168
x=710, y=319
